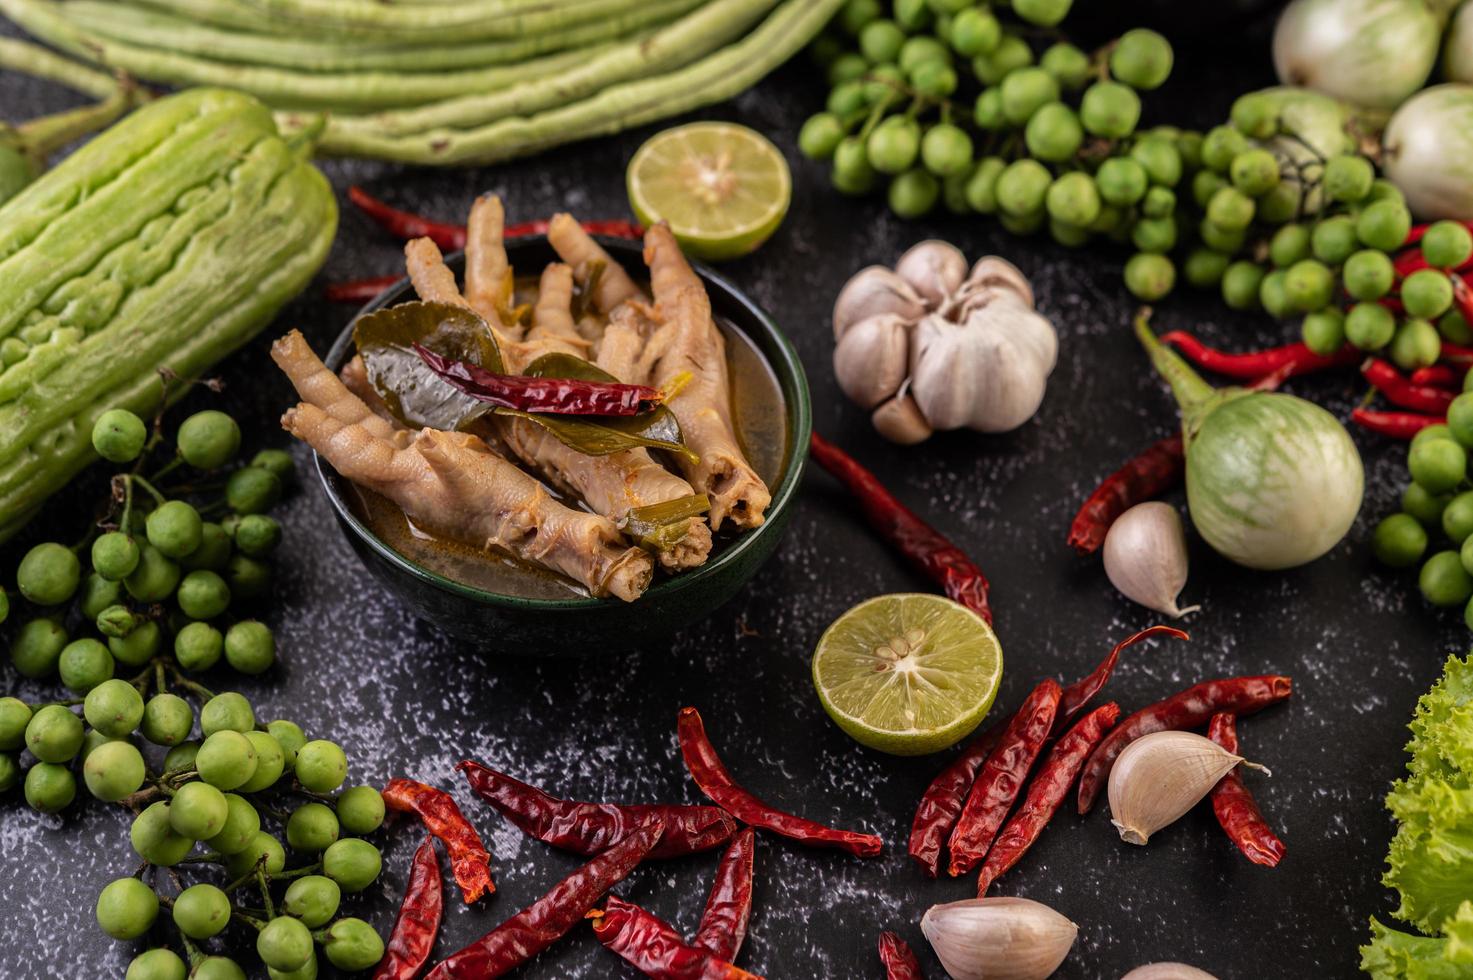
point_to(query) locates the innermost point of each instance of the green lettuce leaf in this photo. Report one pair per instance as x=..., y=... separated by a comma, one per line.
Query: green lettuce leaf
x=1394, y=955
x=1442, y=728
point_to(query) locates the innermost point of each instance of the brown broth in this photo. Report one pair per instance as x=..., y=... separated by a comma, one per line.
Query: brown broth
x=759, y=413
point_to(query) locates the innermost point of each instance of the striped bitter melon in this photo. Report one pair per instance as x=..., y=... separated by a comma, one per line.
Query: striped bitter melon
x=165, y=243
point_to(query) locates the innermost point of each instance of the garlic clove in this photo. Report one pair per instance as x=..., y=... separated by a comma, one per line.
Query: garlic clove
x=998, y=938
x=1167, y=971
x=940, y=369
x=871, y=359
x=999, y=273
x=1159, y=777
x=1034, y=332
x=1145, y=556
x=871, y=291
x=935, y=269
x=900, y=420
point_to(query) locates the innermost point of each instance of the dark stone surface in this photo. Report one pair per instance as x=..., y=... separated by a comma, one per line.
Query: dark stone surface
x=356, y=668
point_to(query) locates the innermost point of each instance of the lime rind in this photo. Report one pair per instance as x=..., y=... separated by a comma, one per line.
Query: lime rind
x=908, y=674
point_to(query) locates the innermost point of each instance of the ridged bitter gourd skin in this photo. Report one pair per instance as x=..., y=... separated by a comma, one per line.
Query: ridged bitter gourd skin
x=166, y=242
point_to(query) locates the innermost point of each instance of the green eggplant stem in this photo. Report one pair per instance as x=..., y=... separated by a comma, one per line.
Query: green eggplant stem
x=1193, y=394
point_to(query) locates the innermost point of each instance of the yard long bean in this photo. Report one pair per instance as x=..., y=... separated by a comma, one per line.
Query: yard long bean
x=714, y=78
x=25, y=57
x=692, y=37
x=279, y=87
x=496, y=18
x=183, y=35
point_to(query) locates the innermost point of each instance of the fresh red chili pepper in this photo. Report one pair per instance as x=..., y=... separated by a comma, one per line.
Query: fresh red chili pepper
x=468, y=857
x=942, y=802
x=591, y=828
x=1079, y=694
x=1046, y=793
x=1439, y=376
x=1397, y=425
x=729, y=906
x=1457, y=355
x=1463, y=297
x=407, y=225
x=1233, y=803
x=653, y=947
x=1143, y=477
x=413, y=938
x=358, y=290
x=928, y=549
x=1401, y=392
x=553, y=396
x=1298, y=358
x=900, y=963
x=1185, y=709
x=548, y=919
x=713, y=779
x=1002, y=777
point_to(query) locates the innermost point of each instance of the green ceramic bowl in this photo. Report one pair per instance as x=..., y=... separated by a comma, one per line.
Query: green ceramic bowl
x=515, y=625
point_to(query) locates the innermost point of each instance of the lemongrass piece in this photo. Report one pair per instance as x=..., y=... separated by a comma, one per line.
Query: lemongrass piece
x=1145, y=556
x=1159, y=777
x=200, y=37
x=998, y=938
x=713, y=79
x=693, y=36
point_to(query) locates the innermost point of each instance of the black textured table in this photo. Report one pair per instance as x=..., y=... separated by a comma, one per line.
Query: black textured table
x=405, y=701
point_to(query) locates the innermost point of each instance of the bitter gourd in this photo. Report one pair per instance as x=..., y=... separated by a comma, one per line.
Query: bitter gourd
x=163, y=244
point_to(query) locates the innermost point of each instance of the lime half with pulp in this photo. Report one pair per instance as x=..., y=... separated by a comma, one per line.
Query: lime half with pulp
x=723, y=188
x=909, y=673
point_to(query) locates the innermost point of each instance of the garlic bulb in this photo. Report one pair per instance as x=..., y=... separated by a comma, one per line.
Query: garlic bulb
x=1146, y=557
x=998, y=938
x=870, y=359
x=870, y=292
x=1161, y=776
x=935, y=269
x=980, y=358
x=1167, y=971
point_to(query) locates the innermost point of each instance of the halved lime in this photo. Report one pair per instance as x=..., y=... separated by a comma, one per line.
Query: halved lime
x=909, y=673
x=724, y=188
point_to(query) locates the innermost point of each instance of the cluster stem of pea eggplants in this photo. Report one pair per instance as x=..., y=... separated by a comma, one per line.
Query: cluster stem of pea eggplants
x=160, y=589
x=987, y=108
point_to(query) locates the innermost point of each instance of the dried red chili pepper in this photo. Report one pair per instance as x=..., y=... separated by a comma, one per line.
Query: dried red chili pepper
x=942, y=802
x=1397, y=425
x=899, y=961
x=469, y=859
x=1439, y=376
x=1144, y=477
x=1002, y=777
x=407, y=225
x=358, y=290
x=1399, y=391
x=653, y=947
x=729, y=906
x=1185, y=709
x=926, y=548
x=548, y=919
x=1233, y=803
x=554, y=396
x=1078, y=694
x=713, y=779
x=590, y=828
x=1046, y=793
x=413, y=938
x=1296, y=357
